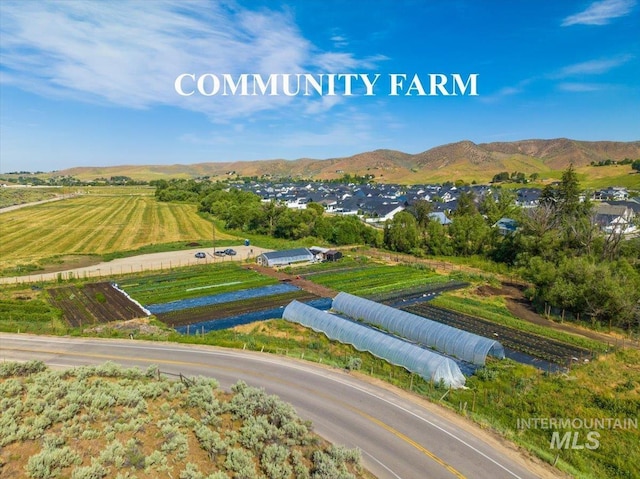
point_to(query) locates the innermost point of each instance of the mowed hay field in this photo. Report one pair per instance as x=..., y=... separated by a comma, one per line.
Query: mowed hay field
x=94, y=225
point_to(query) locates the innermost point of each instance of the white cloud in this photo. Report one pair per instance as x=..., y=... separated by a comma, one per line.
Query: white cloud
x=348, y=128
x=600, y=13
x=579, y=87
x=593, y=67
x=507, y=91
x=129, y=53
x=339, y=41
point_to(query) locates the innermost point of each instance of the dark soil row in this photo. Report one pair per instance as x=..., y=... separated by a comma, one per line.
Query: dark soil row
x=232, y=308
x=94, y=303
x=410, y=294
x=538, y=346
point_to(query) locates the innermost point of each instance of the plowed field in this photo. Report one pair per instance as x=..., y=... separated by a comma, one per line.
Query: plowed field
x=94, y=303
x=532, y=344
x=232, y=308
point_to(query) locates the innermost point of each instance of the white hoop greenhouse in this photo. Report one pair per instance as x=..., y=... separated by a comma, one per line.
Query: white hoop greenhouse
x=446, y=339
x=428, y=364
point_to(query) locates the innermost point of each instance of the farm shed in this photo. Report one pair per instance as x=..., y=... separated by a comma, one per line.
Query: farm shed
x=332, y=255
x=446, y=339
x=325, y=254
x=279, y=258
x=429, y=365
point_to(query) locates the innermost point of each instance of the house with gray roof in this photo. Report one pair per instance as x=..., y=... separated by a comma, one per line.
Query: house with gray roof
x=615, y=218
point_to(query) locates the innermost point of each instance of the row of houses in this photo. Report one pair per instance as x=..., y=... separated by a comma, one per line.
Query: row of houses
x=378, y=203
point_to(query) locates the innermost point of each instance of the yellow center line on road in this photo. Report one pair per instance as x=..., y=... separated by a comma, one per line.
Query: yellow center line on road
x=174, y=362
x=410, y=441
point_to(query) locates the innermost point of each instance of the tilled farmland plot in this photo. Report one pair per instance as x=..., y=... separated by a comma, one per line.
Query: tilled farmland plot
x=93, y=303
x=183, y=317
x=543, y=348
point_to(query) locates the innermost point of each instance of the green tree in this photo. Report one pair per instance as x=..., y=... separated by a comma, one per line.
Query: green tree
x=421, y=210
x=346, y=230
x=437, y=240
x=469, y=234
x=502, y=205
x=466, y=204
x=401, y=233
x=317, y=207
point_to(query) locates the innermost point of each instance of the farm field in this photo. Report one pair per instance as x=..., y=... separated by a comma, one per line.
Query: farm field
x=96, y=224
x=28, y=314
x=185, y=283
x=375, y=279
x=417, y=293
x=529, y=343
x=498, y=313
x=232, y=308
x=18, y=196
x=93, y=303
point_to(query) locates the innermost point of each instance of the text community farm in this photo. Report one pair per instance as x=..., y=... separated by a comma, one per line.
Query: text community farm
x=327, y=84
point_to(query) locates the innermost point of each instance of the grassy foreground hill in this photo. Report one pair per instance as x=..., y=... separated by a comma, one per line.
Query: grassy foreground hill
x=107, y=421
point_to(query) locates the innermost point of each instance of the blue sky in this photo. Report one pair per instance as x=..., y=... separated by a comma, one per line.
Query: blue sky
x=92, y=83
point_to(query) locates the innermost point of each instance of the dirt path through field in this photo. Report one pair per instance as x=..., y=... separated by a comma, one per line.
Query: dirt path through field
x=6, y=209
x=136, y=264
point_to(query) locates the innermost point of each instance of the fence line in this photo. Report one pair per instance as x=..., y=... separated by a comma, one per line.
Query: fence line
x=107, y=272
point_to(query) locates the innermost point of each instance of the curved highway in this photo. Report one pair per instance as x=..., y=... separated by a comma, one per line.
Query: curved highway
x=399, y=437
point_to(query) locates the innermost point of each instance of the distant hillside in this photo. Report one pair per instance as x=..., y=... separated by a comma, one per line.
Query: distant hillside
x=461, y=160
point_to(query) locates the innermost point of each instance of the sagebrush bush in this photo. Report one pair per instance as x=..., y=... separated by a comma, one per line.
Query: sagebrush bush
x=241, y=462
x=93, y=471
x=9, y=369
x=49, y=462
x=113, y=454
x=274, y=462
x=116, y=408
x=210, y=441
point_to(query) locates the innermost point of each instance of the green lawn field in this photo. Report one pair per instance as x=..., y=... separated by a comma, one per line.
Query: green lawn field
x=96, y=225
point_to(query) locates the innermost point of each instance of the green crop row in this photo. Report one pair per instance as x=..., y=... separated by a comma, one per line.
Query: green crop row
x=192, y=282
x=376, y=279
x=35, y=316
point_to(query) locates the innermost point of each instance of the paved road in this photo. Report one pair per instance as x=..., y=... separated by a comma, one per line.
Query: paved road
x=398, y=436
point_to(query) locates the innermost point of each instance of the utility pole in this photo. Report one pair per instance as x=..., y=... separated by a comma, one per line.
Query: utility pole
x=213, y=228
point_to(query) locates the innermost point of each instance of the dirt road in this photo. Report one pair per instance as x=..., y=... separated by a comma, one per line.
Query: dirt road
x=146, y=262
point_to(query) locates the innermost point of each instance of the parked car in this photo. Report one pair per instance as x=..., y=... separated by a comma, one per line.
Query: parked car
x=200, y=254
x=230, y=252
x=219, y=253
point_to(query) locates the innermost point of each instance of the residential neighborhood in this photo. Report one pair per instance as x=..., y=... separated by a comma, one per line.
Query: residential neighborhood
x=375, y=204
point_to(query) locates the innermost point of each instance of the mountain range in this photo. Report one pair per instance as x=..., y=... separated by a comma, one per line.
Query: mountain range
x=462, y=160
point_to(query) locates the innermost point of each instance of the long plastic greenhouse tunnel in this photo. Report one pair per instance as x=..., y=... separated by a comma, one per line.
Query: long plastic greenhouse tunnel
x=429, y=365
x=441, y=337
